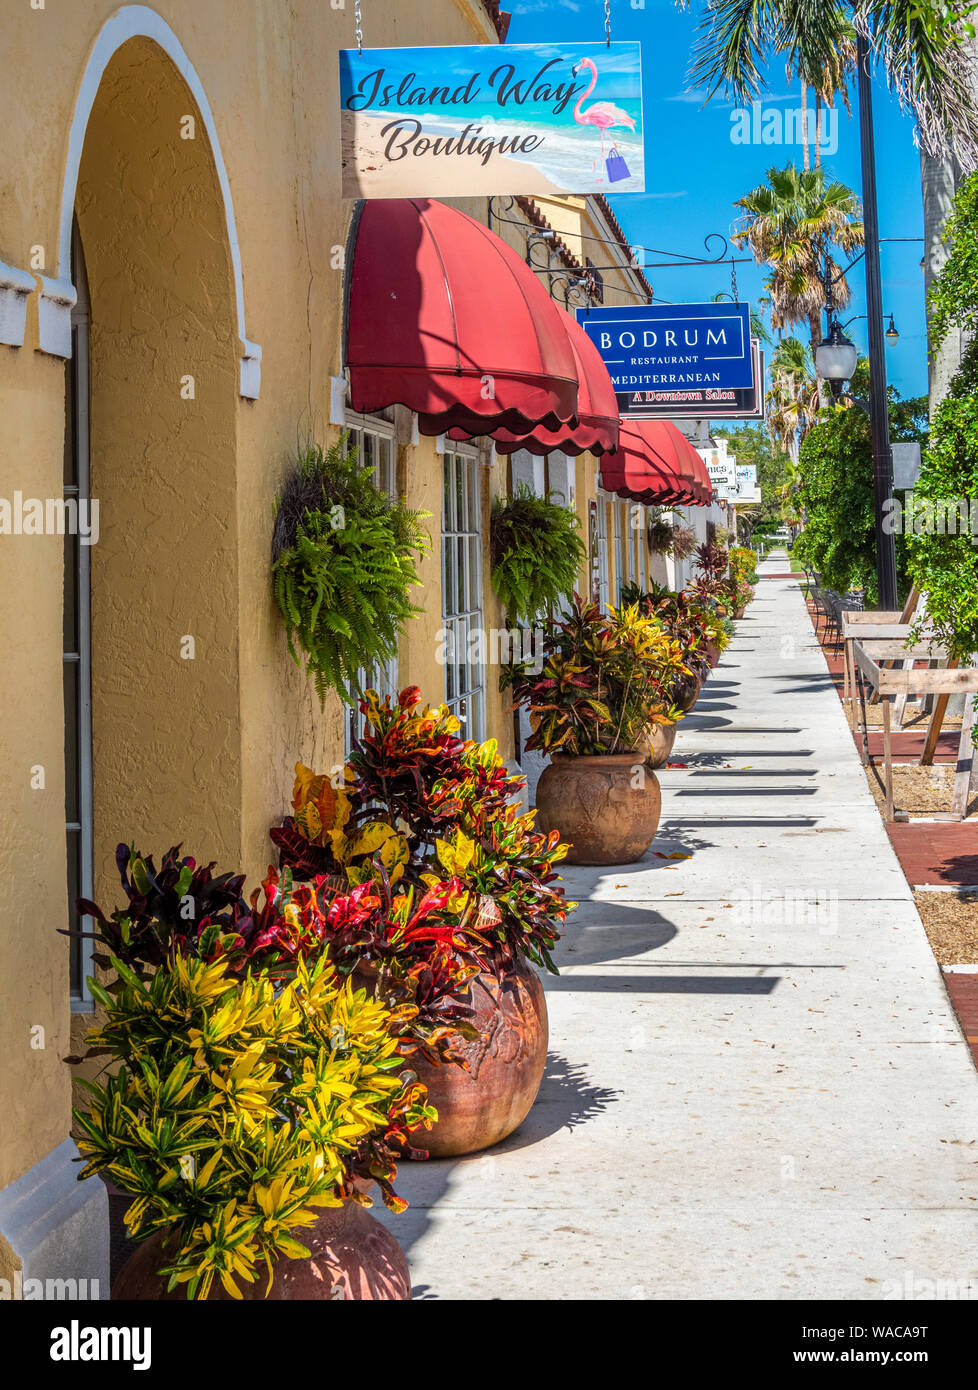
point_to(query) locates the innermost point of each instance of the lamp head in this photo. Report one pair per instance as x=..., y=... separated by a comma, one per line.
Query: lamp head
x=836, y=358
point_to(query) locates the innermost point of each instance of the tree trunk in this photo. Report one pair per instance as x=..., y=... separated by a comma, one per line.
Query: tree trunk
x=818, y=129
x=804, y=123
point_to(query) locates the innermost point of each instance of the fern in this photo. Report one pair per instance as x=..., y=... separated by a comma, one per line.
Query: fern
x=536, y=553
x=342, y=578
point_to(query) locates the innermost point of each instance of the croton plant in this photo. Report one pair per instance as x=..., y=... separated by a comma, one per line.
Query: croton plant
x=607, y=679
x=424, y=812
x=239, y=1106
x=181, y=913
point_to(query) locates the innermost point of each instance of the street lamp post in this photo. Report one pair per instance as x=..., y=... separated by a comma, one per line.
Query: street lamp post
x=879, y=409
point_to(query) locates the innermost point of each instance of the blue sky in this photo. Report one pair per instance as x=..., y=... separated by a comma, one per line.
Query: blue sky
x=694, y=172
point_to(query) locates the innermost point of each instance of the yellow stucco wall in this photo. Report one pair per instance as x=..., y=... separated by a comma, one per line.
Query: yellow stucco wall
x=203, y=749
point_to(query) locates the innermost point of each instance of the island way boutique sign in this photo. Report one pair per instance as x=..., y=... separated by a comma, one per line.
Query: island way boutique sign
x=473, y=121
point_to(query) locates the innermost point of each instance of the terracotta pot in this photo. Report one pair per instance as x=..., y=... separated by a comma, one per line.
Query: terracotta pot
x=480, y=1106
x=689, y=693
x=739, y=613
x=661, y=739
x=352, y=1257
x=595, y=805
x=712, y=653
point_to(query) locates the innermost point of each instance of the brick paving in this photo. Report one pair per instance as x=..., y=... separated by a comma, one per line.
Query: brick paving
x=944, y=852
x=963, y=993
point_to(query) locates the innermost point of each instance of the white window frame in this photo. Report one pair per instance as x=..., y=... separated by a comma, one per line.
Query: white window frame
x=379, y=427
x=468, y=704
x=604, y=578
x=620, y=522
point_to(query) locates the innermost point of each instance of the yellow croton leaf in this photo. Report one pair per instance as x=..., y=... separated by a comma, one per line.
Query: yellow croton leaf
x=372, y=835
x=309, y=822
x=304, y=777
x=464, y=850
x=343, y=810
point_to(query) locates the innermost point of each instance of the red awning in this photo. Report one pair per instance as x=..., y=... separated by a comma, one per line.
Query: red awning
x=657, y=465
x=595, y=427
x=443, y=317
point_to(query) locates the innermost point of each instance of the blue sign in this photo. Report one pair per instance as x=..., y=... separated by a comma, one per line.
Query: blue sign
x=673, y=351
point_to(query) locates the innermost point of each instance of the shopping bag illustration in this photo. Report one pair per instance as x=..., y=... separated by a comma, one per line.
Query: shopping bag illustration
x=616, y=166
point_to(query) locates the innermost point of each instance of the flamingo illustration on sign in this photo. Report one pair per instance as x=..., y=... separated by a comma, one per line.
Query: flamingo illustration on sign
x=602, y=114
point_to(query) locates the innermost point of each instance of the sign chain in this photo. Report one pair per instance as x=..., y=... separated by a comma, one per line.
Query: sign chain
x=358, y=18
x=607, y=21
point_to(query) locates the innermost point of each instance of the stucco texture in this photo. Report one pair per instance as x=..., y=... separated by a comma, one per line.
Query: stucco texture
x=200, y=751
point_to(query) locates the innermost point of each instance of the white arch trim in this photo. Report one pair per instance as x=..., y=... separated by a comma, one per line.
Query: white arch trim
x=137, y=21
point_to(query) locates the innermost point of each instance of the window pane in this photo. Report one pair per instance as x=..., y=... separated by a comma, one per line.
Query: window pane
x=475, y=496
x=475, y=597
x=460, y=515
x=450, y=588
x=446, y=504
x=462, y=604
x=462, y=630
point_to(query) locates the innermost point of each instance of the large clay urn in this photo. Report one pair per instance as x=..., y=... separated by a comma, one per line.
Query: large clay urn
x=480, y=1105
x=661, y=739
x=607, y=806
x=688, y=693
x=352, y=1256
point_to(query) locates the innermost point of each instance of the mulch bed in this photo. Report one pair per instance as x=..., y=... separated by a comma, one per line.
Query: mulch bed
x=920, y=791
x=951, y=924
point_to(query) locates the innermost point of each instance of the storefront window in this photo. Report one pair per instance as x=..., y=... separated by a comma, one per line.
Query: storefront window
x=604, y=595
x=464, y=632
x=617, y=508
x=373, y=437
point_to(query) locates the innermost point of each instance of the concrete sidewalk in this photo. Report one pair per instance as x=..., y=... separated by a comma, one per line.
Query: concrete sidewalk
x=757, y=1086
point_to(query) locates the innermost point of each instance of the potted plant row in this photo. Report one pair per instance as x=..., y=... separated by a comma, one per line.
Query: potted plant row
x=743, y=577
x=605, y=684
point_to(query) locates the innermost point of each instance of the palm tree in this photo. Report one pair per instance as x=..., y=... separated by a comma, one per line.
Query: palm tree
x=793, y=399
x=793, y=223
x=919, y=43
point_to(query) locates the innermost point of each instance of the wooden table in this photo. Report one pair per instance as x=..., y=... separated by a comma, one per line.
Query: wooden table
x=868, y=654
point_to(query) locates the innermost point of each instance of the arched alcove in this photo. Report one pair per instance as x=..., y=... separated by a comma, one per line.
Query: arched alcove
x=164, y=357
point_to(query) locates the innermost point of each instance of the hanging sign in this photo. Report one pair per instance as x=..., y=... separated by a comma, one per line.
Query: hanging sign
x=747, y=489
x=714, y=403
x=722, y=468
x=683, y=353
x=473, y=121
